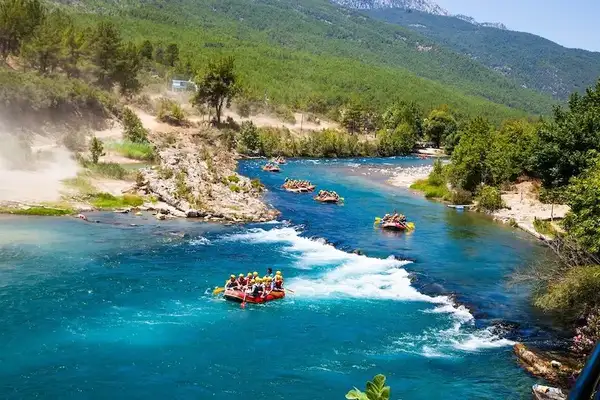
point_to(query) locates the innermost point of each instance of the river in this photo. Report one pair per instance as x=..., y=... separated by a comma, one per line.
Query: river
x=113, y=310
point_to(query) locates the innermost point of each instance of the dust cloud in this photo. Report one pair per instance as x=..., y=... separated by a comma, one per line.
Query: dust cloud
x=32, y=166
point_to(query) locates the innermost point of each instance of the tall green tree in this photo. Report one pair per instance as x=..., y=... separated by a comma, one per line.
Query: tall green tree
x=217, y=87
x=351, y=118
x=512, y=151
x=146, y=50
x=127, y=69
x=171, y=54
x=568, y=144
x=404, y=113
x=43, y=50
x=73, y=50
x=439, y=125
x=583, y=222
x=469, y=166
x=19, y=20
x=105, y=46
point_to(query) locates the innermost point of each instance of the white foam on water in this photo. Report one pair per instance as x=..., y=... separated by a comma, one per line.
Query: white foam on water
x=358, y=276
x=199, y=241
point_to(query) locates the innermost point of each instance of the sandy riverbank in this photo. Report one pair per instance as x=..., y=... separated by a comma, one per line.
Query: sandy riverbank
x=523, y=206
x=404, y=177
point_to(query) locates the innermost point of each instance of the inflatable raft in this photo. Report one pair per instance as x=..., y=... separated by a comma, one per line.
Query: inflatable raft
x=238, y=296
x=305, y=189
x=395, y=226
x=271, y=169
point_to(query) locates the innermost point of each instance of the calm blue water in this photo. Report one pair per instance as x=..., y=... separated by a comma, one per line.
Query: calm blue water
x=93, y=311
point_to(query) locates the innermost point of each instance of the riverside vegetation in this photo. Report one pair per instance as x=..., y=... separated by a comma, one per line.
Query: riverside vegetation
x=562, y=154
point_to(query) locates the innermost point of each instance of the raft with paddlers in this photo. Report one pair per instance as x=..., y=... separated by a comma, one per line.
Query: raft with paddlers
x=271, y=168
x=298, y=186
x=330, y=197
x=239, y=296
x=394, y=222
x=278, y=160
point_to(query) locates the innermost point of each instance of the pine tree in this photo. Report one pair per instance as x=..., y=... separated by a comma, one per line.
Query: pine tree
x=73, y=50
x=171, y=55
x=146, y=50
x=127, y=69
x=19, y=20
x=96, y=149
x=105, y=48
x=43, y=51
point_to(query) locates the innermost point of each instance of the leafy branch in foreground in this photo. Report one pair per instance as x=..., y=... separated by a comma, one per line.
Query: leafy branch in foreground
x=376, y=390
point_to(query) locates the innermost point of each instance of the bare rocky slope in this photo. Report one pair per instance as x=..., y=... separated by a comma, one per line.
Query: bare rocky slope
x=196, y=175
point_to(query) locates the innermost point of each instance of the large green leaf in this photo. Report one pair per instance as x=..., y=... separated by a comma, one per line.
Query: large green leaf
x=379, y=381
x=356, y=394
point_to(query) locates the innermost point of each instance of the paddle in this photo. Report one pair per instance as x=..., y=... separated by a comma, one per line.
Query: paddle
x=377, y=220
x=289, y=290
x=218, y=290
x=243, y=305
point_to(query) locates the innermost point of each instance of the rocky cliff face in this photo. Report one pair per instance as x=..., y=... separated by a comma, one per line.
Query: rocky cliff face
x=198, y=178
x=419, y=5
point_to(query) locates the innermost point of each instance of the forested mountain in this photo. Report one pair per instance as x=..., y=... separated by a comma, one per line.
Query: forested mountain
x=299, y=50
x=529, y=60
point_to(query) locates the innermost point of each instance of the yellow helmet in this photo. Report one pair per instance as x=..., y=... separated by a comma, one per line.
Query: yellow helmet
x=278, y=273
x=232, y=276
x=252, y=281
x=241, y=275
x=249, y=274
x=258, y=280
x=255, y=273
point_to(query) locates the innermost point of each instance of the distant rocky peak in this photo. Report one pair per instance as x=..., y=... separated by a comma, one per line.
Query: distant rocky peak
x=419, y=5
x=471, y=20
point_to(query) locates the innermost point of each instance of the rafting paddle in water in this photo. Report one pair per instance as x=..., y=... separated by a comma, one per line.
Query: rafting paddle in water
x=243, y=305
x=218, y=290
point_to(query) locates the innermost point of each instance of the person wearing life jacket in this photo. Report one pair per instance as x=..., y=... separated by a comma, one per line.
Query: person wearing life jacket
x=278, y=284
x=256, y=288
x=241, y=281
x=255, y=275
x=231, y=283
x=248, y=279
x=268, y=287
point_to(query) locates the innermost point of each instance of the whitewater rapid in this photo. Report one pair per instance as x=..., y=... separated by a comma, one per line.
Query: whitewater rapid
x=348, y=275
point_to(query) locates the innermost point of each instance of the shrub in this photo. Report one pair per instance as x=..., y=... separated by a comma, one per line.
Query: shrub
x=41, y=211
x=430, y=191
x=257, y=184
x=133, y=130
x=543, y=227
x=573, y=295
x=165, y=173
x=234, y=188
x=460, y=196
x=436, y=177
x=135, y=151
x=233, y=178
x=96, y=149
x=170, y=111
x=489, y=199
x=182, y=190
x=107, y=200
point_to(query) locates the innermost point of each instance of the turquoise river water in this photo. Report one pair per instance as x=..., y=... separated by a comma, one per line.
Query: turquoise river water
x=110, y=310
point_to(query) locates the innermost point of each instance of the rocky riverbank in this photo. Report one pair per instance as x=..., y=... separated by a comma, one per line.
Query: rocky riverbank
x=198, y=180
x=404, y=177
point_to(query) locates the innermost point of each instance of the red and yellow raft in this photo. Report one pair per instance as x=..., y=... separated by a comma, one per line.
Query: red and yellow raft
x=238, y=296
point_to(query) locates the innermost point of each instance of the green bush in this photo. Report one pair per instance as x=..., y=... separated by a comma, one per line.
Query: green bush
x=489, y=199
x=133, y=130
x=41, y=211
x=376, y=390
x=543, y=227
x=460, y=196
x=233, y=178
x=257, y=184
x=170, y=111
x=108, y=201
x=135, y=151
x=234, y=188
x=573, y=295
x=430, y=191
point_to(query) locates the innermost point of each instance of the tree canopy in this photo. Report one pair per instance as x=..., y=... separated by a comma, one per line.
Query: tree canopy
x=218, y=86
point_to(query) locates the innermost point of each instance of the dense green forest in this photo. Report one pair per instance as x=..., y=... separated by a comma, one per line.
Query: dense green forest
x=528, y=59
x=316, y=55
